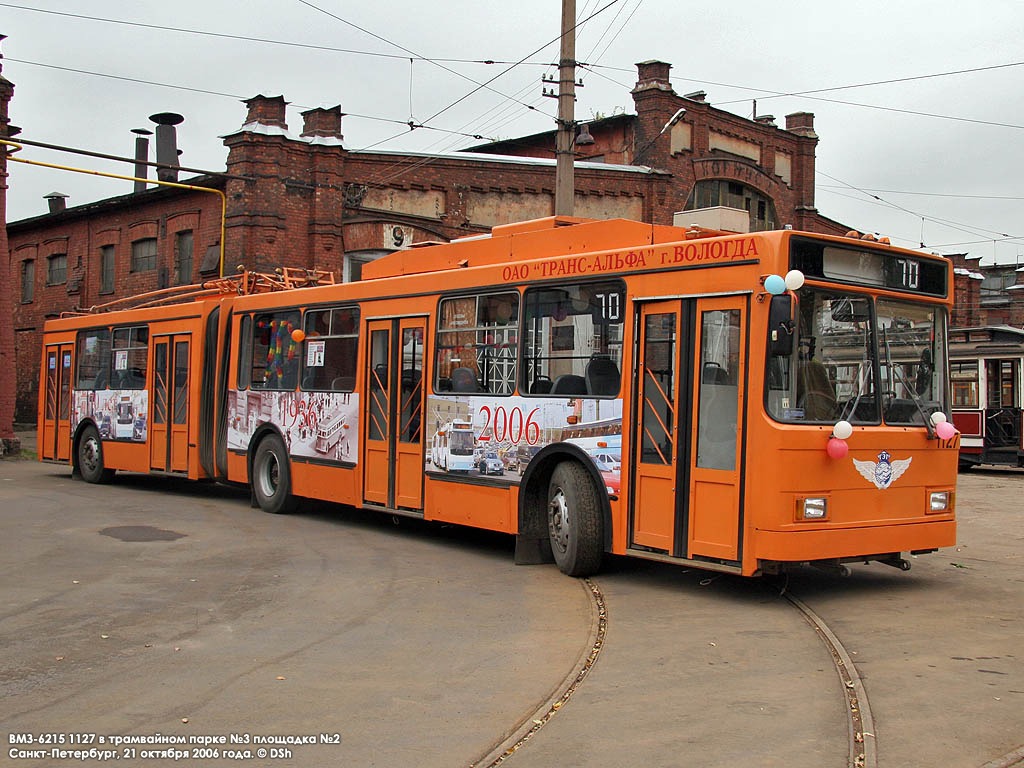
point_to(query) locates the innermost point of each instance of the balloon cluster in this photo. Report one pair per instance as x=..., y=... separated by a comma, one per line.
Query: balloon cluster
x=943, y=429
x=776, y=284
x=837, y=447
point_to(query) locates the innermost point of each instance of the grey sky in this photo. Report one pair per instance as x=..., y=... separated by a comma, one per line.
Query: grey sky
x=737, y=53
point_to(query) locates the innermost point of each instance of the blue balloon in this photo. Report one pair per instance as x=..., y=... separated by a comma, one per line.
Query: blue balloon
x=774, y=284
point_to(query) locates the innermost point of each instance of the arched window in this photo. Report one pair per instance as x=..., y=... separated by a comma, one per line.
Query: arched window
x=713, y=192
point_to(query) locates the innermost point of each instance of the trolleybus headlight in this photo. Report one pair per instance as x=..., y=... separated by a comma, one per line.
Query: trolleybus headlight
x=815, y=508
x=938, y=501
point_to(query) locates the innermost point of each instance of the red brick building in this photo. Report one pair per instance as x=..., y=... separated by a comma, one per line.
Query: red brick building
x=8, y=442
x=305, y=200
x=987, y=295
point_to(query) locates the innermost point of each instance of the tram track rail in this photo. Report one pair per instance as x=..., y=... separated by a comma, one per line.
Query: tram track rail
x=863, y=747
x=862, y=750
x=860, y=724
x=541, y=715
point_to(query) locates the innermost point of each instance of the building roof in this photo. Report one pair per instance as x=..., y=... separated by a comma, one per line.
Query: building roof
x=534, y=138
x=520, y=160
x=111, y=203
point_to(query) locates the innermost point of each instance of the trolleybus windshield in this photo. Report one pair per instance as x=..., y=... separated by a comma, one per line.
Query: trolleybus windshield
x=840, y=341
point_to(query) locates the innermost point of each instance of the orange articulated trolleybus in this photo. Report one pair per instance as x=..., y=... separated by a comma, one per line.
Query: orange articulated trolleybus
x=736, y=402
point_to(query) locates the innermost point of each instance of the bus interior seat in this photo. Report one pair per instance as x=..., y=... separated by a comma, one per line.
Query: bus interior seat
x=410, y=377
x=464, y=380
x=714, y=374
x=541, y=386
x=602, y=376
x=569, y=384
x=343, y=383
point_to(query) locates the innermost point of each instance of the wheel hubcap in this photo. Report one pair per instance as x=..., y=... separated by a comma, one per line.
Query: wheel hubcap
x=269, y=476
x=558, y=520
x=91, y=454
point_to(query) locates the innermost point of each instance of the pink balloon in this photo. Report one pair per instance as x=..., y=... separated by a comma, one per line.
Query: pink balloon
x=945, y=430
x=837, y=448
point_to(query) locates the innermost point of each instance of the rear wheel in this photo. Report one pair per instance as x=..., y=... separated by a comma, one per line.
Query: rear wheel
x=90, y=458
x=272, y=477
x=575, y=525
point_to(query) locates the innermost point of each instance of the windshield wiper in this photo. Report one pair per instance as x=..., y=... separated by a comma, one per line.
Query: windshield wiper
x=860, y=388
x=891, y=366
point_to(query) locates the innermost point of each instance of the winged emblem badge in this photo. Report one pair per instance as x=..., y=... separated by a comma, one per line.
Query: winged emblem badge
x=884, y=472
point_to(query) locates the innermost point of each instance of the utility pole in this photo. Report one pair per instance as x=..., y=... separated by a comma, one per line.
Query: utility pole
x=565, y=182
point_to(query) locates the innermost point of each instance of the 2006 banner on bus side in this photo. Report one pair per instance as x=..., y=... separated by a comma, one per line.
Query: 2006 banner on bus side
x=495, y=438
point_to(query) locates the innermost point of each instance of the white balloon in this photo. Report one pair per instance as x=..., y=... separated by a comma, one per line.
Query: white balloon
x=842, y=429
x=794, y=279
x=938, y=417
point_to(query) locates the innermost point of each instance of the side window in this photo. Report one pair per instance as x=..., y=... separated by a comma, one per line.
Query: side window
x=275, y=354
x=719, y=389
x=130, y=346
x=244, y=351
x=93, y=359
x=573, y=340
x=965, y=384
x=28, y=280
x=477, y=338
x=144, y=254
x=330, y=349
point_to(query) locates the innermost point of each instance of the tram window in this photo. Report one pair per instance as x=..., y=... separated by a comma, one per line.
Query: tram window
x=93, y=359
x=330, y=349
x=965, y=384
x=477, y=338
x=573, y=340
x=275, y=354
x=130, y=347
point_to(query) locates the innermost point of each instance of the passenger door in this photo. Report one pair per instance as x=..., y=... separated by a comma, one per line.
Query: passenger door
x=716, y=461
x=169, y=430
x=657, y=511
x=393, y=460
x=690, y=377
x=55, y=442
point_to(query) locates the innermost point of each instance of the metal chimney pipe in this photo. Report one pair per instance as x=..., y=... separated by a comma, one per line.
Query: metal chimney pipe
x=167, y=144
x=141, y=157
x=57, y=201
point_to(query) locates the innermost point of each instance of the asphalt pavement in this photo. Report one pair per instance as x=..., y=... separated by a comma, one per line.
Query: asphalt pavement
x=158, y=606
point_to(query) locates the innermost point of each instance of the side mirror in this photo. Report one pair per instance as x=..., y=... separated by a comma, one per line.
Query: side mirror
x=780, y=326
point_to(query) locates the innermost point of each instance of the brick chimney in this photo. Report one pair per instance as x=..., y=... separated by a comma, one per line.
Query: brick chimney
x=266, y=110
x=322, y=121
x=655, y=103
x=653, y=75
x=802, y=124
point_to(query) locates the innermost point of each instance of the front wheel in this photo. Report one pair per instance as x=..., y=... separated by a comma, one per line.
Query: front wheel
x=90, y=458
x=272, y=477
x=575, y=525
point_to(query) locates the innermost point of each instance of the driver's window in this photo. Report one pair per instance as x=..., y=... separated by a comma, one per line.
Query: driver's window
x=830, y=374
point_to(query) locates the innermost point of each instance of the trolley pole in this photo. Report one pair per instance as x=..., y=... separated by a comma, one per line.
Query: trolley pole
x=565, y=182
